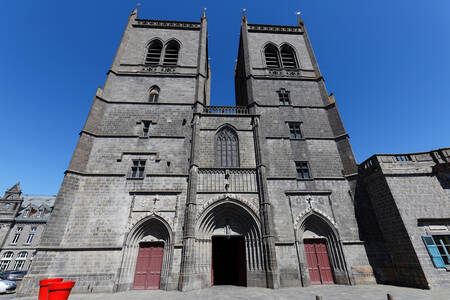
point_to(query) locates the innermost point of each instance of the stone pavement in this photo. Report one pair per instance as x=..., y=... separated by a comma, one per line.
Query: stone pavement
x=334, y=292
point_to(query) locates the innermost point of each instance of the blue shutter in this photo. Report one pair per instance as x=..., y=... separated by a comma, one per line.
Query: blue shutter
x=433, y=251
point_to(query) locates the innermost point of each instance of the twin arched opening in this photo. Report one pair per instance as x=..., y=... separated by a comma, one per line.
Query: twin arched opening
x=280, y=58
x=156, y=50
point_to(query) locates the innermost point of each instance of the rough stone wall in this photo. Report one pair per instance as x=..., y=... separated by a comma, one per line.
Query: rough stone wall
x=407, y=197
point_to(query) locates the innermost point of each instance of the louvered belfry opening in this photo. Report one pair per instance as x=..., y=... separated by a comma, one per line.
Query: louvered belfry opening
x=288, y=57
x=227, y=148
x=171, y=54
x=154, y=53
x=272, y=57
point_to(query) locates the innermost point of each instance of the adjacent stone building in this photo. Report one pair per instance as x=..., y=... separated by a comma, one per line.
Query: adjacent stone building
x=22, y=221
x=404, y=211
x=166, y=191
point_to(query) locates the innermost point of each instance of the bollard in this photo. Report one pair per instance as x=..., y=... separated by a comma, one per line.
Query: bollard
x=60, y=290
x=390, y=297
x=43, y=287
x=318, y=297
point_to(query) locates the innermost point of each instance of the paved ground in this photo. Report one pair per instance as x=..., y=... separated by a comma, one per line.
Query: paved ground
x=335, y=292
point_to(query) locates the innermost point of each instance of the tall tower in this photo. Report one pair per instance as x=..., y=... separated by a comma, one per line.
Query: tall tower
x=305, y=164
x=126, y=184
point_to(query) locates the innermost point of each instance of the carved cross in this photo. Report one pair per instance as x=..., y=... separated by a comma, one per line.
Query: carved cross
x=309, y=200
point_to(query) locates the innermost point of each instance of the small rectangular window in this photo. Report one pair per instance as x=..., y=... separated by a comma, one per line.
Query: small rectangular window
x=295, y=132
x=138, y=168
x=283, y=96
x=302, y=170
x=16, y=238
x=18, y=265
x=19, y=229
x=30, y=238
x=33, y=228
x=145, y=128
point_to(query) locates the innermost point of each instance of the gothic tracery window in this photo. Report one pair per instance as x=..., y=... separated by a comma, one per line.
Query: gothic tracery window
x=227, y=148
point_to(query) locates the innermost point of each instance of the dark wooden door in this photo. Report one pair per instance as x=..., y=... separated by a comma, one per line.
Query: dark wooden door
x=318, y=262
x=148, y=266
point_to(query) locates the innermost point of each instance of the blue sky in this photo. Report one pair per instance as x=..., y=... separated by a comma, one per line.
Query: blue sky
x=387, y=62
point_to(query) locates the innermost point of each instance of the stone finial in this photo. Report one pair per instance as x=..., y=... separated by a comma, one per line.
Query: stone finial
x=244, y=17
x=14, y=192
x=204, y=13
x=135, y=10
x=299, y=19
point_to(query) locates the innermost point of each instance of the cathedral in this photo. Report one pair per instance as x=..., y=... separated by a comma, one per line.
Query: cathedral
x=165, y=191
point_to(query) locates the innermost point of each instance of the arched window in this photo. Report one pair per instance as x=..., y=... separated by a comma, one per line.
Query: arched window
x=171, y=53
x=154, y=94
x=272, y=57
x=227, y=148
x=288, y=57
x=154, y=53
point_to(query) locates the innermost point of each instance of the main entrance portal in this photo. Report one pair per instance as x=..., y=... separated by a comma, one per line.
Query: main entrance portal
x=148, y=266
x=318, y=262
x=228, y=261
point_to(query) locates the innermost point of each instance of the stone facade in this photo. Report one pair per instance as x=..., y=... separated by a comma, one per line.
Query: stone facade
x=401, y=199
x=147, y=170
x=23, y=219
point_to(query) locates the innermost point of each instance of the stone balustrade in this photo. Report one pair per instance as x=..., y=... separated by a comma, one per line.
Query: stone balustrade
x=227, y=180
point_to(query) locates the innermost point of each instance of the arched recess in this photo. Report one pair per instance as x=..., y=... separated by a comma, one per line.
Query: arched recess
x=150, y=229
x=315, y=226
x=229, y=217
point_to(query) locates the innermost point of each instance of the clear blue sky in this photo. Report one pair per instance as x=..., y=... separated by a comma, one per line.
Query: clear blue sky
x=387, y=62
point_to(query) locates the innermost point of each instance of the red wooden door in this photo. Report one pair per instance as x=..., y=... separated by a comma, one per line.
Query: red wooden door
x=318, y=262
x=148, y=266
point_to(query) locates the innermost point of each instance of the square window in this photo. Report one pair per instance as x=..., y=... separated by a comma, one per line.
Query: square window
x=138, y=168
x=295, y=132
x=302, y=170
x=283, y=97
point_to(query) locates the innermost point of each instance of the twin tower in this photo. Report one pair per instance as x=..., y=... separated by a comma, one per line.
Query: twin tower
x=165, y=191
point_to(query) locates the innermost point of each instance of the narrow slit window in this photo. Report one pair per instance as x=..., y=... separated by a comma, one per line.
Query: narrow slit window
x=171, y=53
x=146, y=128
x=154, y=94
x=30, y=238
x=15, y=238
x=154, y=53
x=272, y=57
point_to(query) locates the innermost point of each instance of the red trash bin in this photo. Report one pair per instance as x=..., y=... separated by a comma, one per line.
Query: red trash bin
x=43, y=289
x=60, y=290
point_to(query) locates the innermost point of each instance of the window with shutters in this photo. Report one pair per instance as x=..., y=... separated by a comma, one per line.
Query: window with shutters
x=171, y=53
x=154, y=94
x=302, y=170
x=438, y=247
x=283, y=96
x=227, y=148
x=272, y=56
x=153, y=56
x=294, y=131
x=288, y=57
